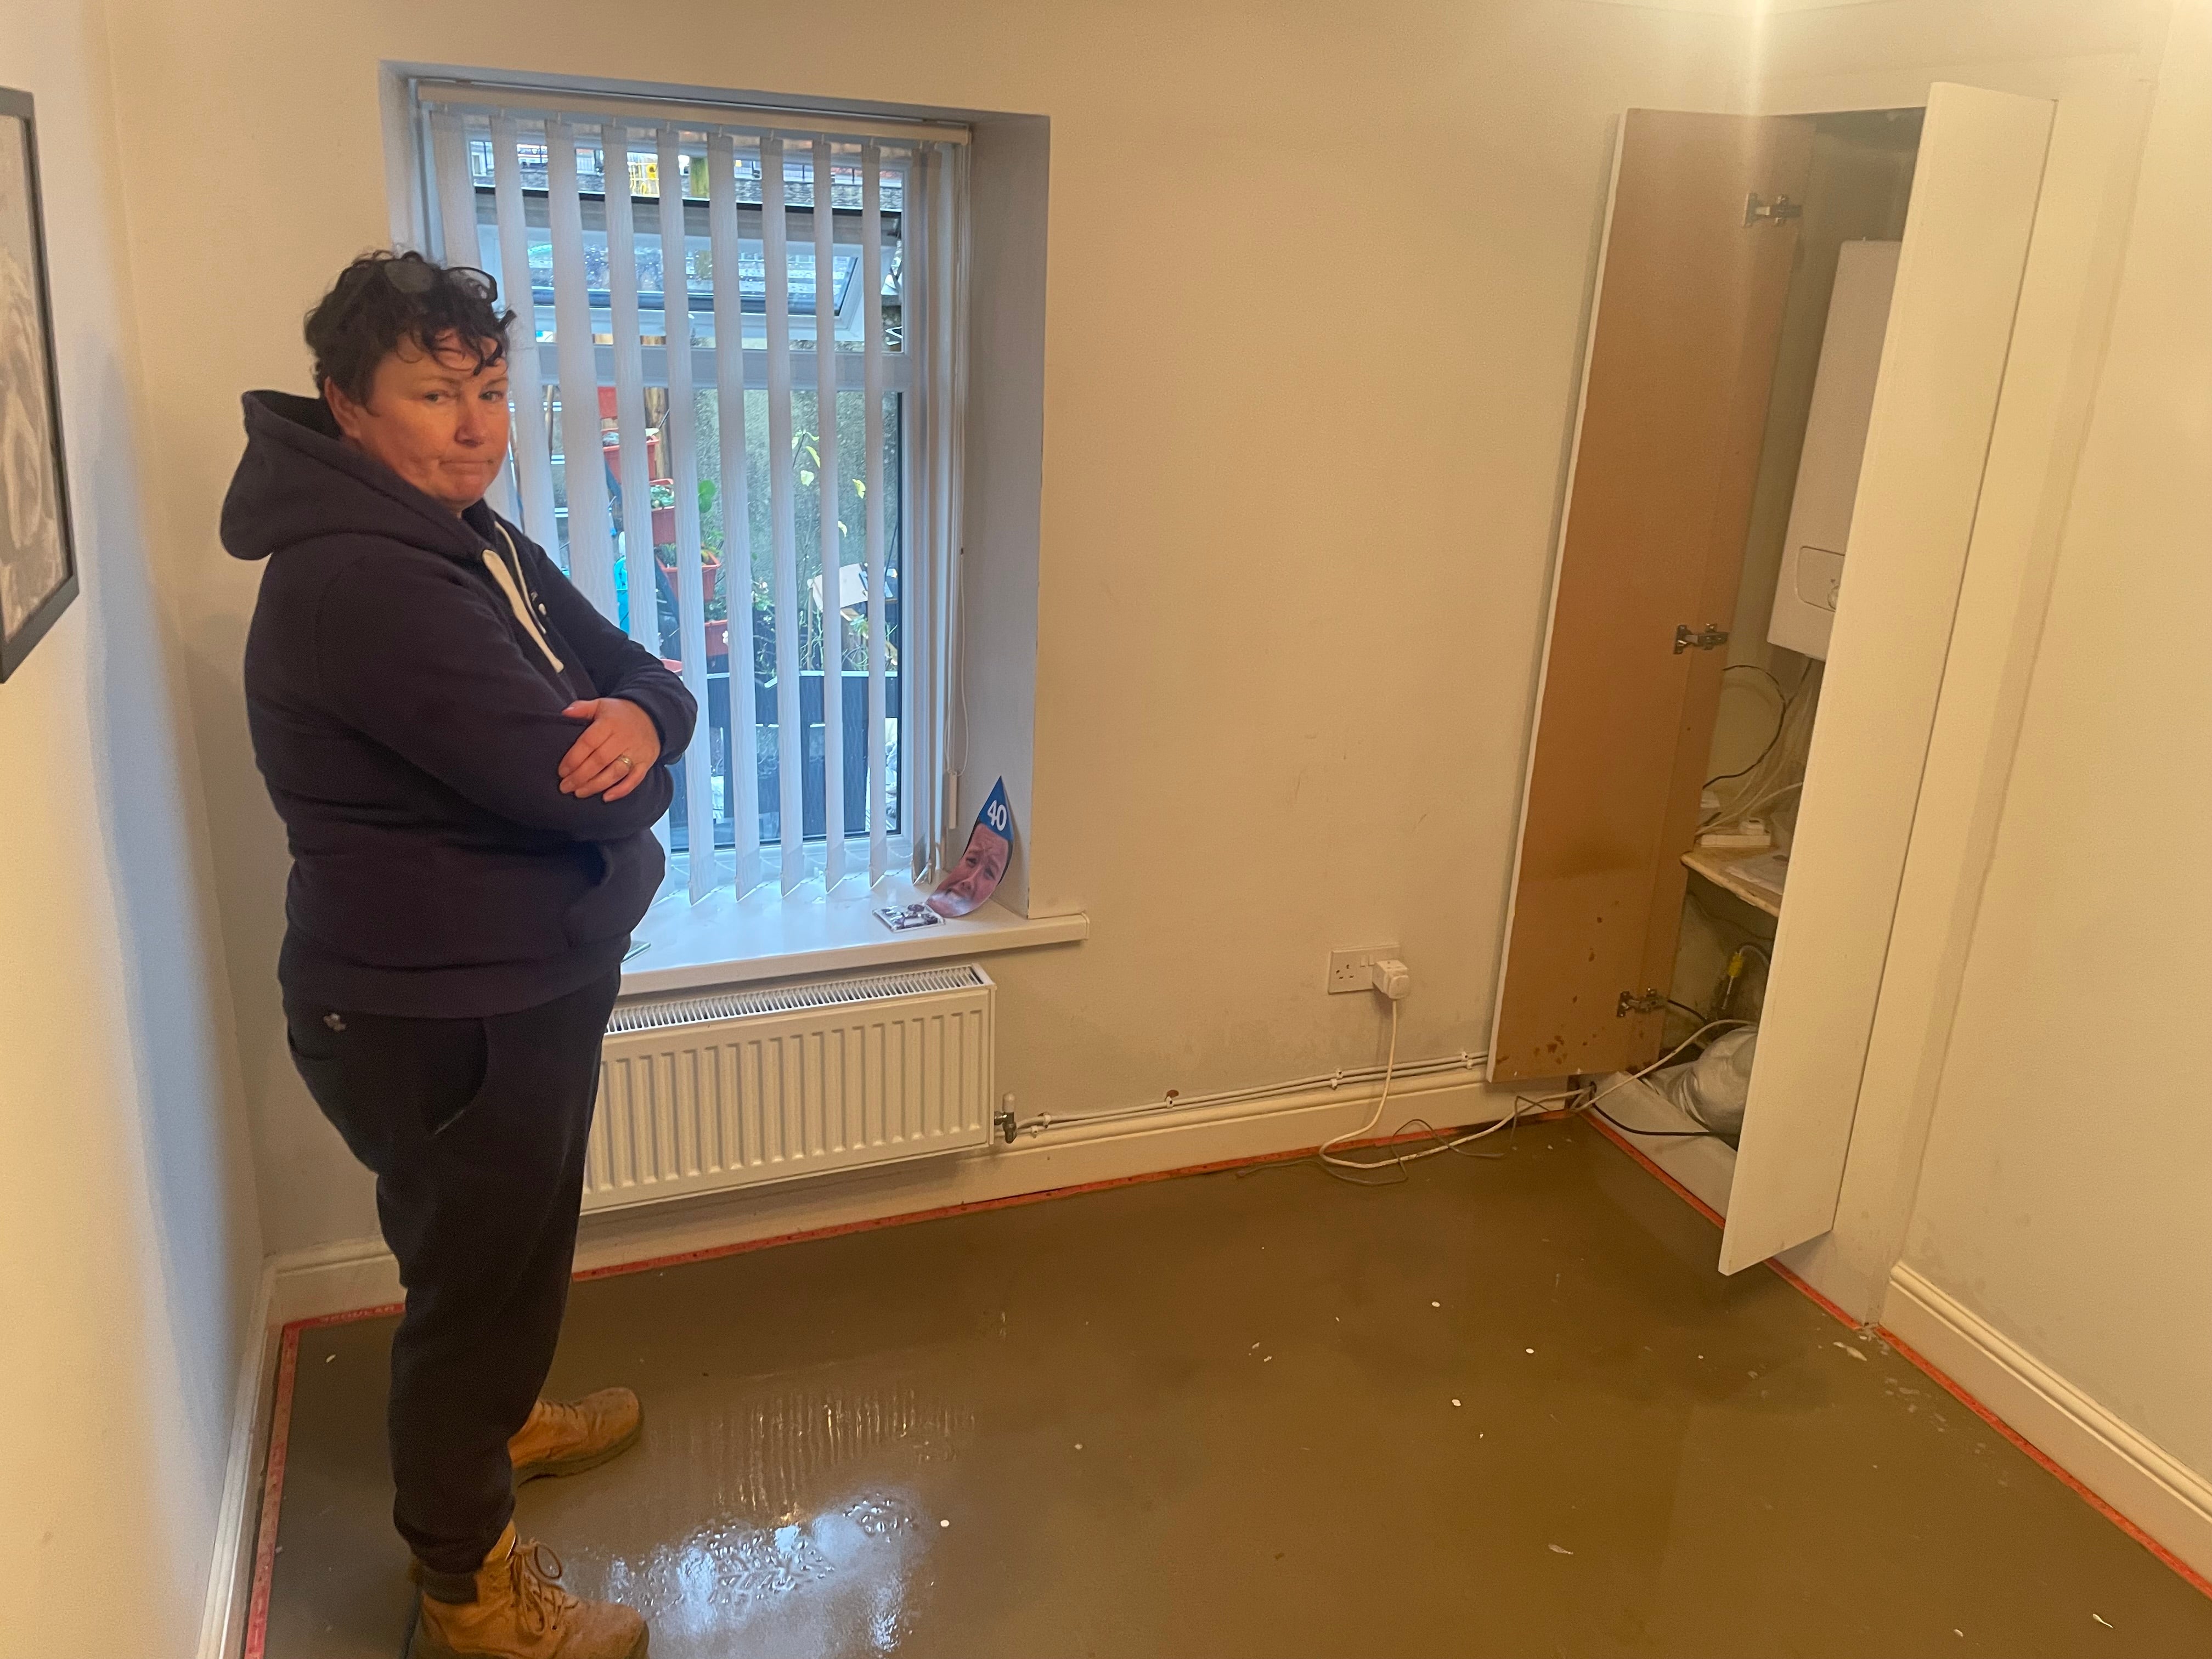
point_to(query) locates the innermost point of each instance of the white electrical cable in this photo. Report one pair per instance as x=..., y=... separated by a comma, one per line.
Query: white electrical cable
x=1537, y=1102
x=1389, y=1066
x=1399, y=1160
x=1737, y=814
x=1785, y=759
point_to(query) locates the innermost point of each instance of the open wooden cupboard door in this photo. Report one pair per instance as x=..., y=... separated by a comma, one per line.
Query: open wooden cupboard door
x=1700, y=237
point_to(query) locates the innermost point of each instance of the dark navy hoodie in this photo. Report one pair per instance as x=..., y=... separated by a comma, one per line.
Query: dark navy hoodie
x=404, y=679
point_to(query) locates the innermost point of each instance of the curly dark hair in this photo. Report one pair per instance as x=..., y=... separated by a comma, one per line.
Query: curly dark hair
x=384, y=298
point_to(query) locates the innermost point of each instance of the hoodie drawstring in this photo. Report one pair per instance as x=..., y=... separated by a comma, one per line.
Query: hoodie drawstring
x=510, y=585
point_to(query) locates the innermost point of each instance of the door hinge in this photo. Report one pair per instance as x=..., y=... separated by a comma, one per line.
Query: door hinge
x=1712, y=639
x=1650, y=1003
x=1758, y=210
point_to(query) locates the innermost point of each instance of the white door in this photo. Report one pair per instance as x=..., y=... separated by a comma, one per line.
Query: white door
x=1974, y=190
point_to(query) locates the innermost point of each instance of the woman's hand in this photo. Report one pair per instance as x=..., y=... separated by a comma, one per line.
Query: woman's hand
x=616, y=751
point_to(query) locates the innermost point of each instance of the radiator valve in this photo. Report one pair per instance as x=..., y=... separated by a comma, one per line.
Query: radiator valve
x=1004, y=1122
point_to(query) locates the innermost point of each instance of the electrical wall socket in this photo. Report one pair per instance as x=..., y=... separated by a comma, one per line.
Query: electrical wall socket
x=1347, y=969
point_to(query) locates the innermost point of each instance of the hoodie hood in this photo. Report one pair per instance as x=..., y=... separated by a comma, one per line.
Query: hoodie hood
x=299, y=481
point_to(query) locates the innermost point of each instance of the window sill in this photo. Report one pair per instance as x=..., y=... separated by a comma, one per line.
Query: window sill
x=724, y=940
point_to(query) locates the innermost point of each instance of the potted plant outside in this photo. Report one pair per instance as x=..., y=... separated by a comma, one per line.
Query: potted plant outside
x=663, y=497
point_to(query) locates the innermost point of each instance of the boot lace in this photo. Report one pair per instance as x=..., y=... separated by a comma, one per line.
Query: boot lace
x=533, y=1572
x=566, y=1421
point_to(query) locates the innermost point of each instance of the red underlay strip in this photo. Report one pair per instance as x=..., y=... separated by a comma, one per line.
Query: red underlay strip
x=2042, y=1459
x=272, y=1494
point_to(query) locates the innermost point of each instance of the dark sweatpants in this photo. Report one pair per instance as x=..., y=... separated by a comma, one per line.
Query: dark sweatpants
x=476, y=1131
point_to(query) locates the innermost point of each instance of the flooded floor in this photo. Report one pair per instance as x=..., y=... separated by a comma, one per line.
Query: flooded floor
x=1506, y=1407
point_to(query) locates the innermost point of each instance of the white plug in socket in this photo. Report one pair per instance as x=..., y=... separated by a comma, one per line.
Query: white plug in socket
x=1391, y=977
x=1347, y=969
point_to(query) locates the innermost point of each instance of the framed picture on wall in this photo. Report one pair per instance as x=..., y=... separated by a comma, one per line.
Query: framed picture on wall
x=38, y=554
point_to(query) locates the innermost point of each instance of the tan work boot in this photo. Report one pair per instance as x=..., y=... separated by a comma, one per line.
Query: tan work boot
x=521, y=1613
x=569, y=1439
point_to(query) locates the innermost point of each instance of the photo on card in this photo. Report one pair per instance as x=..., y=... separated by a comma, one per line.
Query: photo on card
x=970, y=882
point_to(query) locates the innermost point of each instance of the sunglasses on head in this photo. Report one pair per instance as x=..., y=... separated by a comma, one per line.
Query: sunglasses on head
x=411, y=274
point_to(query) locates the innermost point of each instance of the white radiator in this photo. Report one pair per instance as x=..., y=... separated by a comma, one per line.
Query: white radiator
x=733, y=1089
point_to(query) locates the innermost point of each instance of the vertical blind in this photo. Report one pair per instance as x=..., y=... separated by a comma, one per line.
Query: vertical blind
x=737, y=400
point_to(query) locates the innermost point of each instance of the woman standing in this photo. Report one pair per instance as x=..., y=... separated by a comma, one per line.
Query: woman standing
x=469, y=760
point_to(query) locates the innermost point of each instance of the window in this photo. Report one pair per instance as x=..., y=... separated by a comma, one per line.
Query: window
x=774, y=510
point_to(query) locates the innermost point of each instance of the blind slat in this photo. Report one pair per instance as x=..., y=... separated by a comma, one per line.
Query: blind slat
x=952, y=388
x=635, y=473
x=829, y=474
x=681, y=433
x=949, y=388
x=936, y=790
x=457, y=245
x=533, y=459
x=790, y=746
x=871, y=278
x=919, y=736
x=635, y=479
x=591, y=548
x=949, y=392
x=736, y=507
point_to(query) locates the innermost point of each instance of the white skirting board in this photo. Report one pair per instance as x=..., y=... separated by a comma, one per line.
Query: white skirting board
x=2163, y=1497
x=361, y=1274
x=230, y=1572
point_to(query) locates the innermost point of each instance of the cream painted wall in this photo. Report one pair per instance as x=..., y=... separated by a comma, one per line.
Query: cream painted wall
x=129, y=1243
x=1317, y=277
x=2062, y=1195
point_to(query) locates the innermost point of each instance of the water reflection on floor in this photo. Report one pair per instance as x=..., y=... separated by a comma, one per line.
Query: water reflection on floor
x=1506, y=1407
x=831, y=1583
x=788, y=1521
